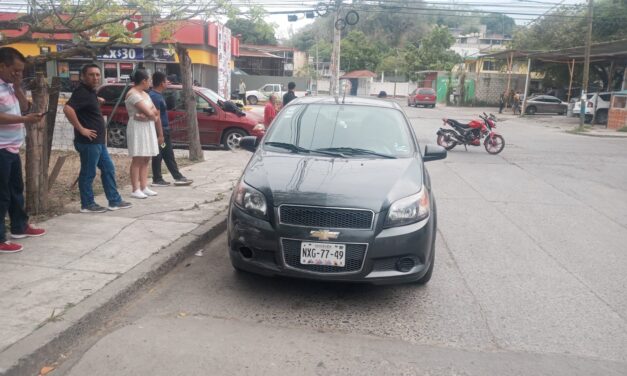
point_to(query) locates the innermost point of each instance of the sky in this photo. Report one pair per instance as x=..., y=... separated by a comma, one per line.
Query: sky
x=523, y=11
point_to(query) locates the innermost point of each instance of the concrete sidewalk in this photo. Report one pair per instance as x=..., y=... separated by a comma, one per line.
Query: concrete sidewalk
x=65, y=283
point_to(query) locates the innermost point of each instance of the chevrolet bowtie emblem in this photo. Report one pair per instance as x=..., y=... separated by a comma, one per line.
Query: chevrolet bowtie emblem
x=324, y=234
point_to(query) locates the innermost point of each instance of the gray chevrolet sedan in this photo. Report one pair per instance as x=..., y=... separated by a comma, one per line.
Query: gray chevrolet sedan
x=336, y=190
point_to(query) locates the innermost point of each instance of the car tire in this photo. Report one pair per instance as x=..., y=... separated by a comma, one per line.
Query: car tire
x=116, y=136
x=601, y=117
x=531, y=110
x=231, y=138
x=252, y=99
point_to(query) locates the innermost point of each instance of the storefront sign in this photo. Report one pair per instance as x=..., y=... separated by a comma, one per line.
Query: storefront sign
x=158, y=54
x=123, y=53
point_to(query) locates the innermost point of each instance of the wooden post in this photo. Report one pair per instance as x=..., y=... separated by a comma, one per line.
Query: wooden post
x=195, y=150
x=53, y=102
x=510, y=63
x=609, y=76
x=36, y=162
x=571, y=70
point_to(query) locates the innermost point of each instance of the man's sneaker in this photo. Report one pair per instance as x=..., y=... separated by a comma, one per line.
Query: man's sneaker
x=94, y=208
x=160, y=183
x=120, y=205
x=30, y=231
x=8, y=247
x=183, y=181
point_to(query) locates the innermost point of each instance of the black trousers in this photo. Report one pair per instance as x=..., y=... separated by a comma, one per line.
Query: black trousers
x=11, y=193
x=243, y=98
x=167, y=155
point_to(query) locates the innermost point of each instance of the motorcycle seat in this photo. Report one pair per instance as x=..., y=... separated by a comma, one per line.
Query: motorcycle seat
x=462, y=125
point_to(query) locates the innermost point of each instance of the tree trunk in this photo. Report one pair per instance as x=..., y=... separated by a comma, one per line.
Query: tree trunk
x=36, y=152
x=51, y=118
x=195, y=150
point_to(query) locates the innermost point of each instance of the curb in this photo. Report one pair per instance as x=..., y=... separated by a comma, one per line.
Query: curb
x=44, y=345
x=595, y=135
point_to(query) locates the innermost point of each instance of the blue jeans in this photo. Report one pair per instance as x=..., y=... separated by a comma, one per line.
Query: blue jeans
x=92, y=156
x=11, y=193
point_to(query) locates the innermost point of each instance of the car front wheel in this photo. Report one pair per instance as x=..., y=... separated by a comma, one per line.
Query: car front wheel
x=252, y=99
x=232, y=137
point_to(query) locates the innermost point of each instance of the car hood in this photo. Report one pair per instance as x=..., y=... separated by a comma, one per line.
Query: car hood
x=338, y=182
x=250, y=118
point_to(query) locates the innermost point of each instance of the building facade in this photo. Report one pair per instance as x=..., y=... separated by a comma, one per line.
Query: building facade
x=210, y=46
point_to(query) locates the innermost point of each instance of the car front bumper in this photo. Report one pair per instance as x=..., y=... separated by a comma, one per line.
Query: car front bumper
x=259, y=246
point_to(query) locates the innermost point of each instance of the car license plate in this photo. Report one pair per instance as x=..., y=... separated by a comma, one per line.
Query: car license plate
x=323, y=254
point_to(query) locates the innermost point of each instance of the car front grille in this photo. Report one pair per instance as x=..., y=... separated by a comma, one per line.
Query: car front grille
x=355, y=254
x=312, y=216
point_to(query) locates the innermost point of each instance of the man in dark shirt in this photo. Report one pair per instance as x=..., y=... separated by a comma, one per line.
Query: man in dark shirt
x=83, y=112
x=289, y=96
x=159, y=84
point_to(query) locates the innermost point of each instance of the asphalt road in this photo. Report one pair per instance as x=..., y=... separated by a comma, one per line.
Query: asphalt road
x=529, y=280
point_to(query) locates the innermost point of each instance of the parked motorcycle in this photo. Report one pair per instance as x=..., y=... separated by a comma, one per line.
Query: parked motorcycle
x=471, y=134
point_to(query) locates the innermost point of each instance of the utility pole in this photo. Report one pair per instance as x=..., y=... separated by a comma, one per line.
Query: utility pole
x=586, y=68
x=335, y=56
x=317, y=67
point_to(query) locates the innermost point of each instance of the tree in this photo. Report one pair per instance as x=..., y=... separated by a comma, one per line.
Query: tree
x=358, y=52
x=432, y=54
x=498, y=24
x=84, y=19
x=253, y=28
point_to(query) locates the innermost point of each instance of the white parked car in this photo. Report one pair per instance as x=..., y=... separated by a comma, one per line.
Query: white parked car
x=602, y=107
x=263, y=93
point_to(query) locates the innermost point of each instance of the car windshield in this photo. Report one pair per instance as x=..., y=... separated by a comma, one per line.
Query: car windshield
x=212, y=95
x=346, y=130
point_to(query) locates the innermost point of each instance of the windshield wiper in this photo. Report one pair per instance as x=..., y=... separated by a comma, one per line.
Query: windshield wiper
x=285, y=145
x=356, y=151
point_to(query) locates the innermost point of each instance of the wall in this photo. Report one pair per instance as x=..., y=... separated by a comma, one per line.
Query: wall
x=255, y=82
x=489, y=86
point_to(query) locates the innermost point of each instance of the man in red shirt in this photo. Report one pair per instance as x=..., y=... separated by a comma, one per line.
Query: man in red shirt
x=269, y=111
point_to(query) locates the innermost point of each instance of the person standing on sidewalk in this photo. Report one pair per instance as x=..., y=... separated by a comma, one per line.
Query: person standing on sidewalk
x=159, y=84
x=13, y=103
x=242, y=91
x=289, y=96
x=83, y=112
x=269, y=112
x=501, y=103
x=143, y=132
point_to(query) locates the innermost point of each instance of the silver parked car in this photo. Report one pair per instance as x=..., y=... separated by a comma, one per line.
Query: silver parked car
x=546, y=104
x=336, y=191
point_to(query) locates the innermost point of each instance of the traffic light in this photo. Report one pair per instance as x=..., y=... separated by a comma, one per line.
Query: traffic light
x=292, y=18
x=309, y=15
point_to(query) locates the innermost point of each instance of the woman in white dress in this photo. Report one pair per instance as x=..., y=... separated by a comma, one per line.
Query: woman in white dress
x=144, y=133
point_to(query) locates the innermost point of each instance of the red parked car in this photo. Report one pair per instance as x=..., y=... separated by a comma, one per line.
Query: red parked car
x=423, y=96
x=215, y=125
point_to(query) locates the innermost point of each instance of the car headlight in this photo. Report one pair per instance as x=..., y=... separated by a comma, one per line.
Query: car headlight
x=408, y=210
x=251, y=200
x=259, y=127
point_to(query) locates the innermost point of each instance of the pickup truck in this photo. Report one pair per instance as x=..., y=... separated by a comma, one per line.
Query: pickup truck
x=263, y=93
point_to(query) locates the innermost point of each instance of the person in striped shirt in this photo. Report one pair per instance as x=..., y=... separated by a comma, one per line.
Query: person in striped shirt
x=13, y=104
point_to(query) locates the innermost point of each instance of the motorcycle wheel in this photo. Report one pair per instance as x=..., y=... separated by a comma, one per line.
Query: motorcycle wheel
x=446, y=141
x=495, y=144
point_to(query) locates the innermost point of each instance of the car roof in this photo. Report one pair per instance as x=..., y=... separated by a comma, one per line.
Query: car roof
x=121, y=84
x=350, y=100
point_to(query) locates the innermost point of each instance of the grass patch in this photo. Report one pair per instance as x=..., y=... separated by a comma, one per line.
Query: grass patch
x=623, y=129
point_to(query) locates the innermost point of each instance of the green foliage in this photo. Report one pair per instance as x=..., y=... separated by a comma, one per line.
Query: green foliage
x=253, y=28
x=433, y=53
x=498, y=24
x=358, y=52
x=324, y=51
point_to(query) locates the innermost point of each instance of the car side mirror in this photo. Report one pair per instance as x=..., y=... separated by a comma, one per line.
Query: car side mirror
x=434, y=153
x=209, y=110
x=249, y=143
